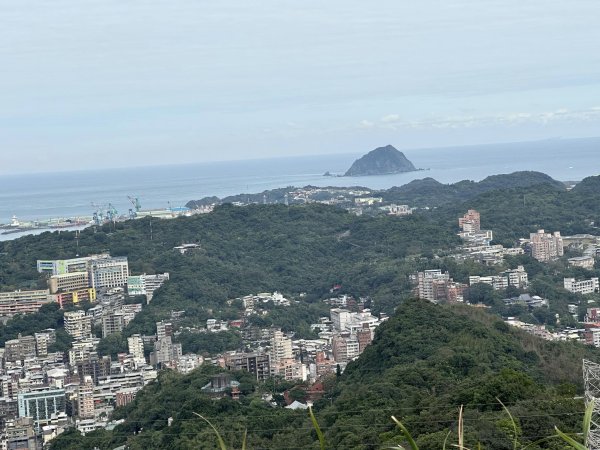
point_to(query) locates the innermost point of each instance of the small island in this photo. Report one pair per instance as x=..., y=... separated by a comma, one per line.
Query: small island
x=381, y=161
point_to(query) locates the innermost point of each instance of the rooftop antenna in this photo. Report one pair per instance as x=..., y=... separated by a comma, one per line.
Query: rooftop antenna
x=591, y=382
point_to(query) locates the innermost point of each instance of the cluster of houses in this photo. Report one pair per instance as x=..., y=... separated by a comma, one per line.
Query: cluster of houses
x=269, y=352
x=43, y=391
x=356, y=200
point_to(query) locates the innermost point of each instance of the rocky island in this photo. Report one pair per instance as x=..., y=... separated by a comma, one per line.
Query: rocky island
x=381, y=161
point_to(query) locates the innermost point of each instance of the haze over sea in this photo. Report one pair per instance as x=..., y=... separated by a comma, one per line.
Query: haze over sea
x=71, y=194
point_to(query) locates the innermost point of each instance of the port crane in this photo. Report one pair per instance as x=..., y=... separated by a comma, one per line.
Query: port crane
x=99, y=214
x=104, y=213
x=111, y=213
x=137, y=206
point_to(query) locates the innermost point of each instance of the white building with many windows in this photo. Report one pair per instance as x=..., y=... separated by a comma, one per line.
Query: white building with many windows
x=582, y=287
x=109, y=272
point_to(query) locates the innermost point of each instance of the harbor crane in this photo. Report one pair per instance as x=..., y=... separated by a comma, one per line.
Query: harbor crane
x=111, y=213
x=104, y=213
x=137, y=206
x=99, y=214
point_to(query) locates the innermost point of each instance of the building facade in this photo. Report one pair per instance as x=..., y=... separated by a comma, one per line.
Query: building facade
x=470, y=222
x=582, y=287
x=41, y=405
x=78, y=324
x=23, y=302
x=546, y=246
x=108, y=272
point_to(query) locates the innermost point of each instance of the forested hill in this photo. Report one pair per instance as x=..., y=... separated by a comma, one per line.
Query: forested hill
x=431, y=193
x=426, y=192
x=245, y=250
x=424, y=362
x=428, y=359
x=515, y=212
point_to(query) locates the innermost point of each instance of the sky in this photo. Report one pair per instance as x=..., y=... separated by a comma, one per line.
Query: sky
x=113, y=83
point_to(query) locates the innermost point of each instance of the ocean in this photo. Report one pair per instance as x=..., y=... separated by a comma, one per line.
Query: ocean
x=71, y=194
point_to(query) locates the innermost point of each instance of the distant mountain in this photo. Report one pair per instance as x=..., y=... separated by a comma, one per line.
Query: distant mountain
x=589, y=185
x=381, y=161
x=429, y=192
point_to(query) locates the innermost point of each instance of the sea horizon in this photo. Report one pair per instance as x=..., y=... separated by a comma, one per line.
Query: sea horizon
x=46, y=195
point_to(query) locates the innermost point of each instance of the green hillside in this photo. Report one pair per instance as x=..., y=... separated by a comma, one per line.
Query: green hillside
x=424, y=362
x=427, y=360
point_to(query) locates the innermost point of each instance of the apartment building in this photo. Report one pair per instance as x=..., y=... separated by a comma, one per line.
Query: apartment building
x=108, y=272
x=517, y=277
x=470, y=222
x=23, y=302
x=41, y=404
x=497, y=282
x=165, y=351
x=78, y=324
x=85, y=398
x=73, y=298
x=67, y=282
x=113, y=322
x=257, y=363
x=546, y=246
x=582, y=287
x=436, y=286
x=281, y=348
x=585, y=262
x=163, y=329
x=146, y=284
x=19, y=349
x=135, y=345
x=430, y=282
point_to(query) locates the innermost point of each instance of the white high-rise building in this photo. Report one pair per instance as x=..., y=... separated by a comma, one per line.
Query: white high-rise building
x=281, y=347
x=135, y=345
x=427, y=283
x=77, y=324
x=108, y=272
x=340, y=318
x=85, y=398
x=163, y=329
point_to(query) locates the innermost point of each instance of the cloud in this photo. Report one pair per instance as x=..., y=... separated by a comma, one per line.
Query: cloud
x=394, y=121
x=391, y=118
x=365, y=124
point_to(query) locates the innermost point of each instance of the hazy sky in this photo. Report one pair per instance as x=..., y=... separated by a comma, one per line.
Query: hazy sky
x=106, y=83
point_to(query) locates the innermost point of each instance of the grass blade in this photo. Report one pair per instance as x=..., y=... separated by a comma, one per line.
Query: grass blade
x=446, y=440
x=317, y=428
x=411, y=441
x=569, y=440
x=219, y=438
x=587, y=421
x=461, y=431
x=514, y=424
x=245, y=439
